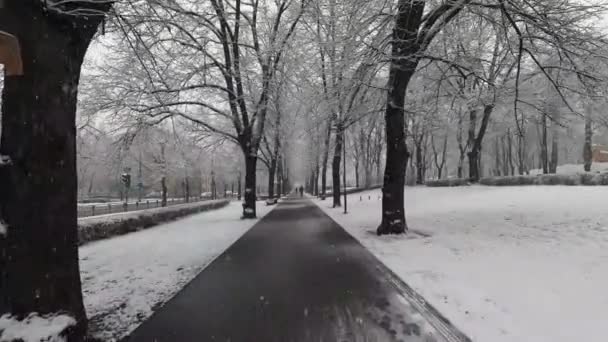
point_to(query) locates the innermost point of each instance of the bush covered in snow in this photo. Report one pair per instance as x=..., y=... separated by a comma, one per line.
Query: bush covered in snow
x=553, y=179
x=447, y=182
x=106, y=226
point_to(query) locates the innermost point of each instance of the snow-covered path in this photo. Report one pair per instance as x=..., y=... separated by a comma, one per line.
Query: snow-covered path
x=504, y=264
x=126, y=277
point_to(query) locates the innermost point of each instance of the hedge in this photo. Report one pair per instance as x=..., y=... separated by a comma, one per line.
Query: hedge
x=106, y=226
x=552, y=179
x=447, y=182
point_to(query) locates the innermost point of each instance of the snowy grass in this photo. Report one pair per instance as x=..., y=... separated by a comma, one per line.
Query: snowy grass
x=35, y=328
x=126, y=278
x=502, y=263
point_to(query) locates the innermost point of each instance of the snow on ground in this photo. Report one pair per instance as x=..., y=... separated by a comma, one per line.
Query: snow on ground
x=502, y=263
x=127, y=277
x=572, y=169
x=35, y=328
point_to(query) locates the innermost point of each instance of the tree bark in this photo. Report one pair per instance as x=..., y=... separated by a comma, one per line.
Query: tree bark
x=357, y=174
x=325, y=158
x=544, y=155
x=240, y=195
x=316, y=181
x=39, y=270
x=510, y=152
x=476, y=140
x=521, y=154
x=497, y=160
x=588, y=149
x=505, y=156
x=461, y=146
x=271, y=174
x=249, y=209
x=335, y=166
x=419, y=161
x=554, y=152
x=408, y=21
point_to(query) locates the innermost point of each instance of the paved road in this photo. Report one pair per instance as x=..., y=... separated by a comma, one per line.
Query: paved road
x=295, y=276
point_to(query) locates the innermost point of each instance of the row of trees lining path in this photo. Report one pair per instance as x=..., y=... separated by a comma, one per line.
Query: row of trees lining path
x=39, y=270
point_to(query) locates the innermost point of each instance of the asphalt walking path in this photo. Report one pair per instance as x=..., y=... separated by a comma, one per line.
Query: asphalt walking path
x=296, y=276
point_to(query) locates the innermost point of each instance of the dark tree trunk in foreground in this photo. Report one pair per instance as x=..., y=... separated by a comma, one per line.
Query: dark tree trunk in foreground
x=407, y=23
x=335, y=166
x=587, y=149
x=250, y=186
x=39, y=254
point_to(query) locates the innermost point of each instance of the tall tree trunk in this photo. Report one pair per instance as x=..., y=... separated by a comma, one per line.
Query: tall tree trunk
x=316, y=180
x=461, y=145
x=497, y=160
x=521, y=154
x=271, y=174
x=279, y=176
x=163, y=185
x=473, y=153
x=544, y=155
x=240, y=195
x=460, y=171
x=408, y=20
x=440, y=165
x=325, y=157
x=187, y=189
x=249, y=210
x=335, y=166
x=476, y=140
x=357, y=174
x=473, y=156
x=554, y=151
x=510, y=152
x=419, y=161
x=39, y=270
x=588, y=149
x=505, y=155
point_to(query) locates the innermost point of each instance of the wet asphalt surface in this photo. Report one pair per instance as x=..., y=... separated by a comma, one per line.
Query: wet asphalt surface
x=295, y=276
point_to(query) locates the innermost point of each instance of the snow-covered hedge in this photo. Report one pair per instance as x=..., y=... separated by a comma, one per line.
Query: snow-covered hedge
x=447, y=182
x=105, y=226
x=559, y=179
x=35, y=328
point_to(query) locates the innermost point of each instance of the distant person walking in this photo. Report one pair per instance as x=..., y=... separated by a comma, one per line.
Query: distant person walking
x=301, y=191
